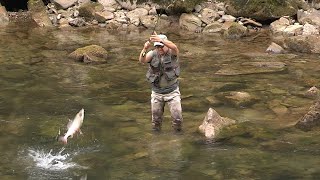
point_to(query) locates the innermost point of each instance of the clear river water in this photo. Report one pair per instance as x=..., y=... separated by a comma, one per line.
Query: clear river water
x=41, y=88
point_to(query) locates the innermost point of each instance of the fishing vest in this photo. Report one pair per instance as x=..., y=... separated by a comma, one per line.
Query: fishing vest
x=163, y=68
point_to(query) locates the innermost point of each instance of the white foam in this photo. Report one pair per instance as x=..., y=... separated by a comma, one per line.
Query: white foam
x=50, y=160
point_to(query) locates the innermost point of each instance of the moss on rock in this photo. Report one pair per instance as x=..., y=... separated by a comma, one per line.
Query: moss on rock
x=263, y=9
x=89, y=53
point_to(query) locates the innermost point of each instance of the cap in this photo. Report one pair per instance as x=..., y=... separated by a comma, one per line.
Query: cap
x=161, y=36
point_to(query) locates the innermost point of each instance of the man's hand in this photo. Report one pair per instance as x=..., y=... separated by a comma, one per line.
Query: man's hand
x=155, y=38
x=146, y=45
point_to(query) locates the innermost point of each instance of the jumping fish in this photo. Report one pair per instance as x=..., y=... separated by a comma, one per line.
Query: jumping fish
x=73, y=126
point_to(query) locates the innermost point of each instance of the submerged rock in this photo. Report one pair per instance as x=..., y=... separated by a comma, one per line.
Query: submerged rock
x=240, y=99
x=252, y=68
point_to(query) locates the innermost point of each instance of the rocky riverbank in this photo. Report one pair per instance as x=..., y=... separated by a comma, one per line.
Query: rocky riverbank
x=295, y=28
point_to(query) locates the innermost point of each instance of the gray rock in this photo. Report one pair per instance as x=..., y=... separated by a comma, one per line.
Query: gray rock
x=303, y=44
x=77, y=22
x=214, y=27
x=312, y=16
x=208, y=16
x=4, y=18
x=39, y=14
x=135, y=15
x=275, y=49
x=189, y=22
x=102, y=17
x=213, y=123
x=311, y=119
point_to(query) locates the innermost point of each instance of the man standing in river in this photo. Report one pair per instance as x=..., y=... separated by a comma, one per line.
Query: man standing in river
x=163, y=72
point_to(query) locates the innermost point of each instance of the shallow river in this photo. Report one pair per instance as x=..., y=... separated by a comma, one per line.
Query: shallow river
x=41, y=88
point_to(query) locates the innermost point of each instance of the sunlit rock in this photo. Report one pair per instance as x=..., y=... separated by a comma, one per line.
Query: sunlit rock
x=275, y=49
x=279, y=25
x=313, y=92
x=293, y=30
x=134, y=15
x=309, y=29
x=213, y=123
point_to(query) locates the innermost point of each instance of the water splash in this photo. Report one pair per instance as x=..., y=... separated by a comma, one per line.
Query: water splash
x=50, y=160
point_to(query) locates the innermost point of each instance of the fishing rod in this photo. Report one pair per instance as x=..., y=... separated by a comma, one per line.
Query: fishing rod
x=159, y=13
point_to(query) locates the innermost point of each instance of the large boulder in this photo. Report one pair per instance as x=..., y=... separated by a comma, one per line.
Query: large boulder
x=262, y=10
x=213, y=123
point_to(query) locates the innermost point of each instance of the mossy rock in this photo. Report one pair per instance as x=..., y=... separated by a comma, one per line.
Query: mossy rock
x=235, y=31
x=88, y=54
x=175, y=6
x=87, y=10
x=38, y=13
x=262, y=10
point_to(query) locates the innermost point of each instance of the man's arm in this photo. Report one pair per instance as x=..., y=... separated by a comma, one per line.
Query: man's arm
x=145, y=56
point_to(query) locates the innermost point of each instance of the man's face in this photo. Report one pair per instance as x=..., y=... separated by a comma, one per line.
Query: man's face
x=160, y=49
